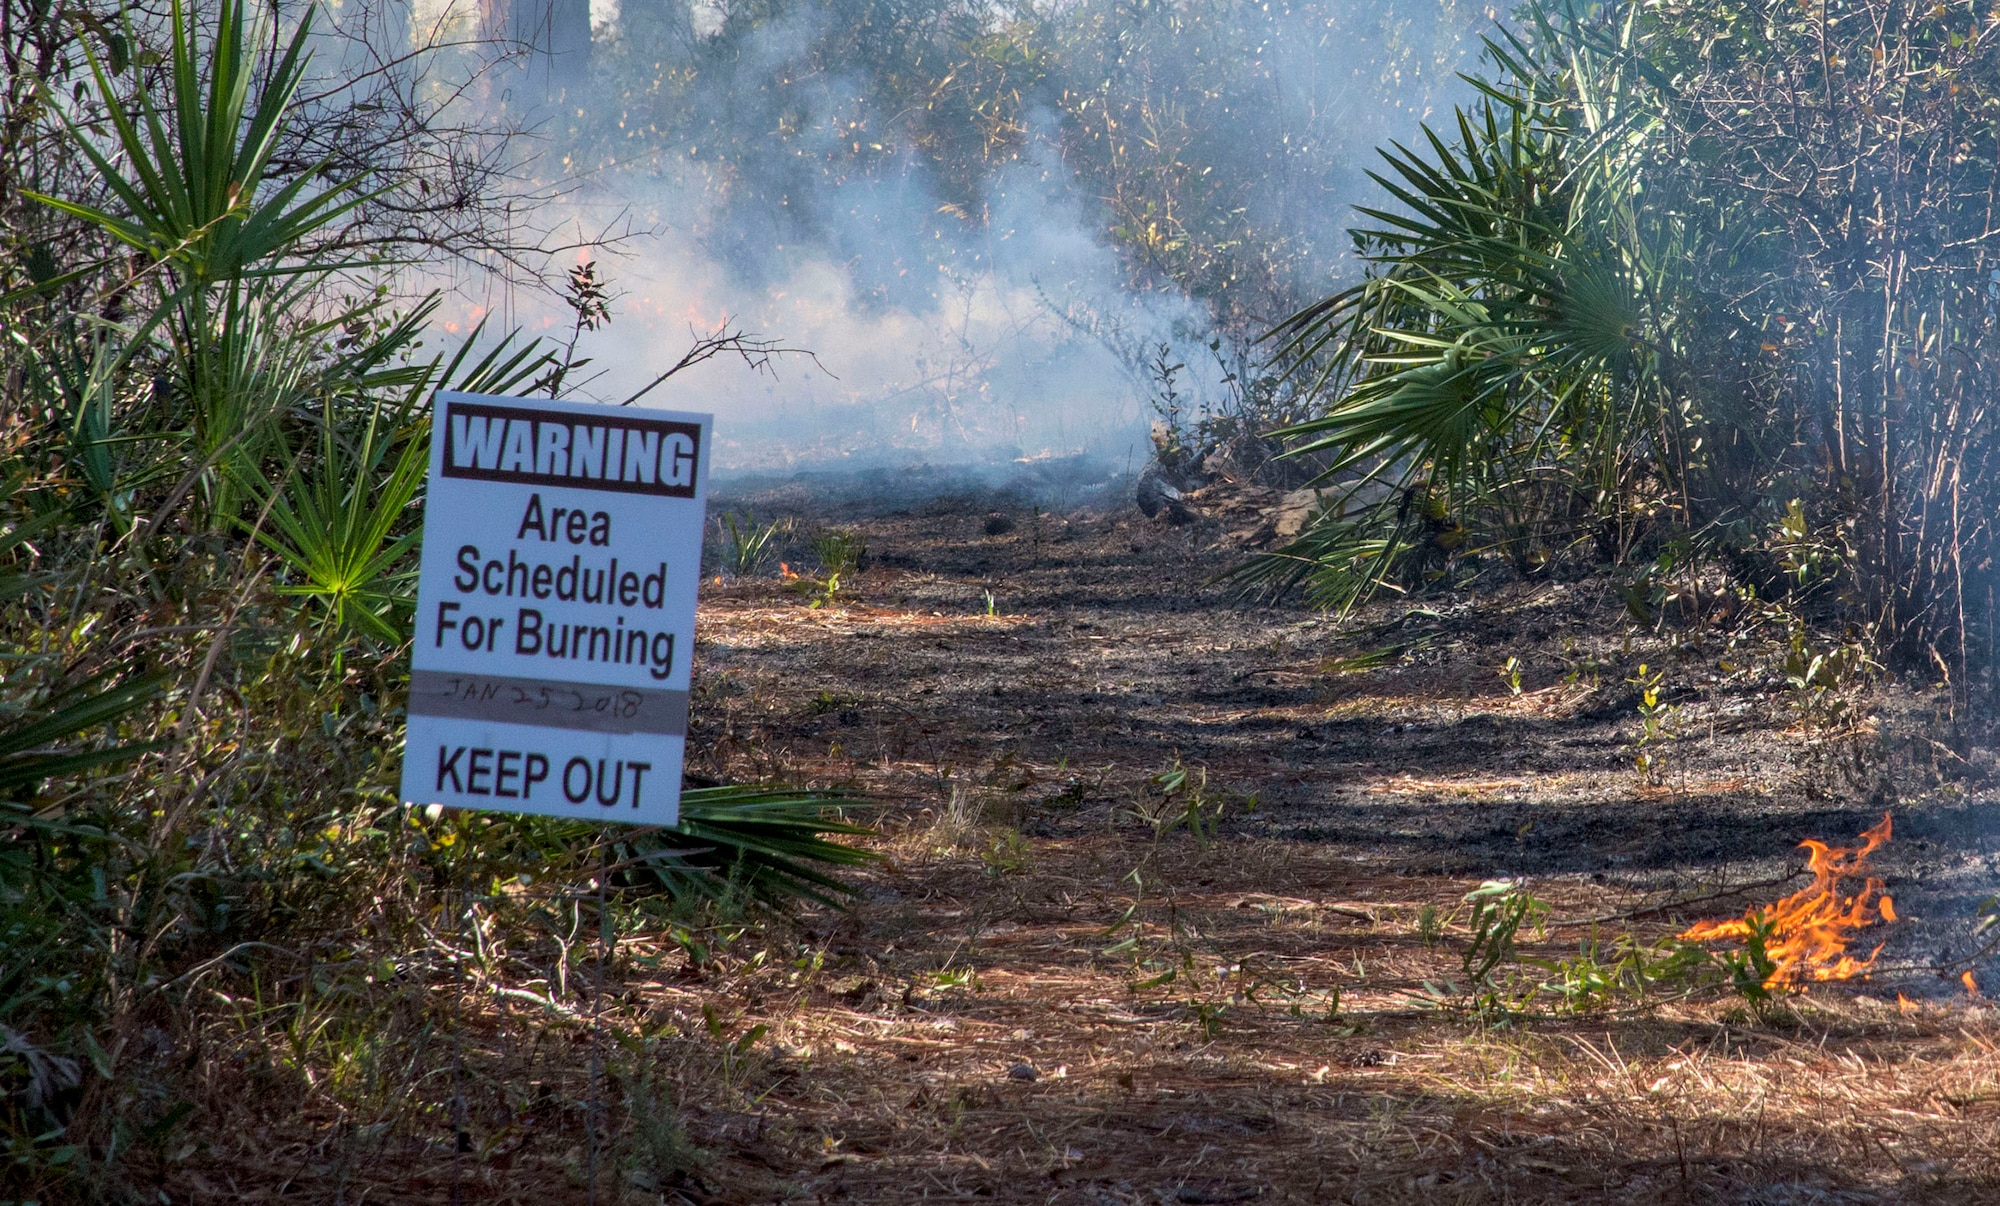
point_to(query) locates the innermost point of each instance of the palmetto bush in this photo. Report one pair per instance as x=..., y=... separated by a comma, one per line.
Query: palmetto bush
x=212, y=453
x=1679, y=265
x=1512, y=375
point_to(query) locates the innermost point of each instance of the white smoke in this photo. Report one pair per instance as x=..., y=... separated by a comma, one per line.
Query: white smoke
x=976, y=351
x=939, y=337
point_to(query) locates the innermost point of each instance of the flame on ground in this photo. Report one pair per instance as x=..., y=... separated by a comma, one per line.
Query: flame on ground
x=1810, y=929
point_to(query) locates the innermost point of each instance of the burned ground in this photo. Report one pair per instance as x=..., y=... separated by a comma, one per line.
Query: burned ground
x=1172, y=909
x=1393, y=738
x=1056, y=993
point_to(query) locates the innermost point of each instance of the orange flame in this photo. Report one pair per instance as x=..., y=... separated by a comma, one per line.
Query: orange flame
x=1971, y=983
x=786, y=572
x=1809, y=930
x=1906, y=1005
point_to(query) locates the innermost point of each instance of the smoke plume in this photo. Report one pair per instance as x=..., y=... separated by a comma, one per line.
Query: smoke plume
x=981, y=220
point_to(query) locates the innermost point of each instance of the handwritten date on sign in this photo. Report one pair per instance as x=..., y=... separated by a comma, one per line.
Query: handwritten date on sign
x=609, y=702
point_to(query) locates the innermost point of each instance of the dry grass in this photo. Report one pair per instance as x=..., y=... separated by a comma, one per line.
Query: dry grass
x=1216, y=1083
x=1053, y=991
x=969, y=1031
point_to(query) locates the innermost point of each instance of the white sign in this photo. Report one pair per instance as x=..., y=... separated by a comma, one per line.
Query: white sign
x=555, y=610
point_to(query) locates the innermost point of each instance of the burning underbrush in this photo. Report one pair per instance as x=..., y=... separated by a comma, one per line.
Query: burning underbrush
x=1804, y=938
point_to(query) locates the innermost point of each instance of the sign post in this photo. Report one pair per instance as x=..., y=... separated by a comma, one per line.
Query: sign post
x=555, y=608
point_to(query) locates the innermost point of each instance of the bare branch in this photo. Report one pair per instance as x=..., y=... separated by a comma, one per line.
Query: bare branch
x=758, y=351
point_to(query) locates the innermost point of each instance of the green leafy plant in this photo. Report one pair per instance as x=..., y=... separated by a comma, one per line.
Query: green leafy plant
x=1582, y=982
x=1656, y=727
x=1806, y=558
x=1513, y=350
x=773, y=846
x=1588, y=326
x=31, y=742
x=51, y=868
x=30, y=746
x=839, y=553
x=1622, y=971
x=78, y=366
x=1750, y=967
x=1185, y=801
x=191, y=175
x=747, y=545
x=222, y=240
x=337, y=509
x=589, y=301
x=963, y=978
x=655, y=1149
x=1007, y=854
x=1823, y=679
x=1431, y=923
x=339, y=522
x=1501, y=909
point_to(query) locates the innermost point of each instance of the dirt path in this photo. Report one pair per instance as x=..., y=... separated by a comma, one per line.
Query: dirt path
x=1176, y=886
x=1395, y=739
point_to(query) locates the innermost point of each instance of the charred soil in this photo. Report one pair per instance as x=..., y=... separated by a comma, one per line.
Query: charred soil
x=1172, y=906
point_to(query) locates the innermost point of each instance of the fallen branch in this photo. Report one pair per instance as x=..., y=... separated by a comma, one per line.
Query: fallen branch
x=1665, y=906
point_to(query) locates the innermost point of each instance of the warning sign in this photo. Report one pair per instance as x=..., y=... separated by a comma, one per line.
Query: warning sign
x=555, y=608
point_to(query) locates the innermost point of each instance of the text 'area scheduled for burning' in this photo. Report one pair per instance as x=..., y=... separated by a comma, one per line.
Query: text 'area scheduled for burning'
x=562, y=553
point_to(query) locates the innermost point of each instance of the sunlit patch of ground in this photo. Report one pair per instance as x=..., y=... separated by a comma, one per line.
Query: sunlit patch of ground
x=1173, y=911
